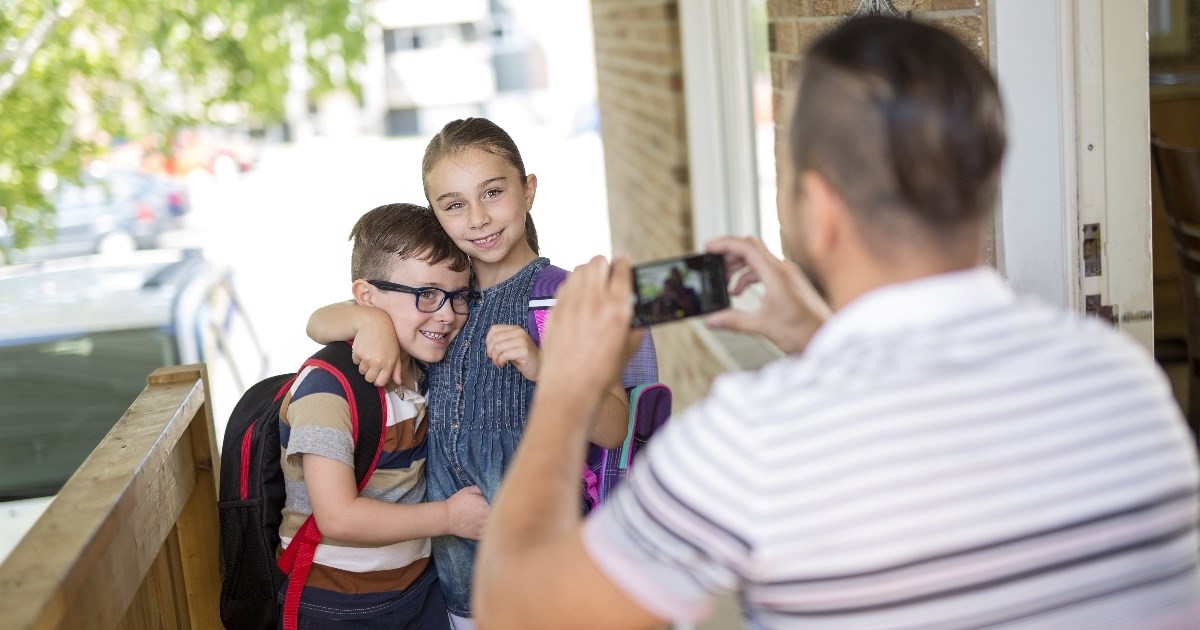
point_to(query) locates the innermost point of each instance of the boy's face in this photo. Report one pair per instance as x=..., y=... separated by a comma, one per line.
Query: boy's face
x=424, y=336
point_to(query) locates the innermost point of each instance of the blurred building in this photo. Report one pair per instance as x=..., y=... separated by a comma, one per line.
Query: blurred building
x=429, y=62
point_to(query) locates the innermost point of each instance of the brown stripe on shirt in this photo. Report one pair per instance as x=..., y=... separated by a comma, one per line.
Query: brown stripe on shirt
x=349, y=582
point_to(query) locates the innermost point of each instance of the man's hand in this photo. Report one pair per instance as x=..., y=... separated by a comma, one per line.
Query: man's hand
x=512, y=344
x=791, y=310
x=588, y=338
x=466, y=513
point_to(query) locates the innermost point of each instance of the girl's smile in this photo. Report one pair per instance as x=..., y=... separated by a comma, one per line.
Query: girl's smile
x=489, y=241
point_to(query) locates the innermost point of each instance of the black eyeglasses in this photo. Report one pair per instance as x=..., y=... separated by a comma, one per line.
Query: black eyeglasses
x=431, y=299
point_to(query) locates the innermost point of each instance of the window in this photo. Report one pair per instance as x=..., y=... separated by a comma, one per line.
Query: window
x=401, y=122
x=468, y=32
x=395, y=39
x=61, y=397
x=1168, y=26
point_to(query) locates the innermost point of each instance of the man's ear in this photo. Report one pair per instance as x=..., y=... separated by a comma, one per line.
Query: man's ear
x=825, y=217
x=362, y=292
x=530, y=190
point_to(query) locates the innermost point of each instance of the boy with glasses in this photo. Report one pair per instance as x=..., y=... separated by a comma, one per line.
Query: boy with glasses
x=373, y=565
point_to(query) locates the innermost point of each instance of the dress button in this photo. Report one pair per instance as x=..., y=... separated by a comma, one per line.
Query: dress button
x=453, y=426
x=458, y=386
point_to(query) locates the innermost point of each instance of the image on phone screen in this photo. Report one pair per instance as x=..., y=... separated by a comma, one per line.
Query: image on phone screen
x=676, y=288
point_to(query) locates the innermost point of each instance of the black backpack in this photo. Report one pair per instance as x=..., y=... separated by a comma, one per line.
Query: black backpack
x=252, y=492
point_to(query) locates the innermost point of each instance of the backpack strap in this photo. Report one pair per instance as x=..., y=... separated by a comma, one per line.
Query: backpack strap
x=541, y=300
x=649, y=409
x=367, y=404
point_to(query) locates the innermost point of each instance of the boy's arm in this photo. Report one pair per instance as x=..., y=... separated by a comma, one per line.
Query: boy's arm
x=376, y=350
x=344, y=515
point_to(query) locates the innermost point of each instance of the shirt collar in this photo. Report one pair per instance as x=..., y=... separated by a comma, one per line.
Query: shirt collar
x=916, y=303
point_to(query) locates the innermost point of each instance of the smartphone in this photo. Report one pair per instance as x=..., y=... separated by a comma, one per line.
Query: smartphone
x=675, y=288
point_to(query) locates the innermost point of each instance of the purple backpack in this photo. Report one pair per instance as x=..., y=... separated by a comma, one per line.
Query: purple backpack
x=649, y=400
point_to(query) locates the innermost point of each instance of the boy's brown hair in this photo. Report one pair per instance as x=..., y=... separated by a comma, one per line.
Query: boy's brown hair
x=402, y=231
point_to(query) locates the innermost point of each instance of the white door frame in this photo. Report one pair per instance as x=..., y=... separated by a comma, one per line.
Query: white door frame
x=1074, y=76
x=716, y=43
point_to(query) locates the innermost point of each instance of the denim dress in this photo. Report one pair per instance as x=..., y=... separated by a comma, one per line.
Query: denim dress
x=477, y=413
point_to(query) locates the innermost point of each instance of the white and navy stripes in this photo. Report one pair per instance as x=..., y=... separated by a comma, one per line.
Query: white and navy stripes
x=942, y=456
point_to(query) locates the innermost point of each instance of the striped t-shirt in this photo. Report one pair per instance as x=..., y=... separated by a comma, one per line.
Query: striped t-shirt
x=943, y=455
x=315, y=419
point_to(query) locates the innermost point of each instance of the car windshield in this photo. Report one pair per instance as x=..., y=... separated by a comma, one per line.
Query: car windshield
x=61, y=396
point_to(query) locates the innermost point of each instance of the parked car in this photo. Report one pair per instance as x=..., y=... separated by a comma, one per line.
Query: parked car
x=78, y=338
x=110, y=211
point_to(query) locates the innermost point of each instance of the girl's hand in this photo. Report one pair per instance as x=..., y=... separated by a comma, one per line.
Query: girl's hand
x=792, y=310
x=512, y=344
x=466, y=513
x=377, y=353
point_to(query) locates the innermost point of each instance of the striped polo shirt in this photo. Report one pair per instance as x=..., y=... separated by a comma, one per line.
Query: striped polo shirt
x=315, y=419
x=943, y=455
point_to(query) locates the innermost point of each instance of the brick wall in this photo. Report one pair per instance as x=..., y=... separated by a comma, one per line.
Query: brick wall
x=793, y=24
x=639, y=75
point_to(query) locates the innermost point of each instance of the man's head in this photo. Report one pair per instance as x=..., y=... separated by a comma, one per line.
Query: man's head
x=403, y=263
x=903, y=125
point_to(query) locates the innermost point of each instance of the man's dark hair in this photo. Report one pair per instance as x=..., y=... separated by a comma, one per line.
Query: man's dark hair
x=402, y=231
x=905, y=123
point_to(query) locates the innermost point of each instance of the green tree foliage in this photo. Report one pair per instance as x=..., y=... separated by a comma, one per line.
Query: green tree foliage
x=75, y=74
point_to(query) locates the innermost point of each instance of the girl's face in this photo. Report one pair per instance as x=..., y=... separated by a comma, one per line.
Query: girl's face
x=481, y=202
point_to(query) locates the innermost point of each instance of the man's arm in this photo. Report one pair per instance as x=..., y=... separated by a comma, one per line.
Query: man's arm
x=532, y=558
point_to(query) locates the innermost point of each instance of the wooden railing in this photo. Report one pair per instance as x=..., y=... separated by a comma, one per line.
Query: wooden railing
x=131, y=540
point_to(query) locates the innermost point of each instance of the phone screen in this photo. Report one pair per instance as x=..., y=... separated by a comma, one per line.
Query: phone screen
x=675, y=288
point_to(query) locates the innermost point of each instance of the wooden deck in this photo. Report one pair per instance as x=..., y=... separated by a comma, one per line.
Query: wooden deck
x=131, y=540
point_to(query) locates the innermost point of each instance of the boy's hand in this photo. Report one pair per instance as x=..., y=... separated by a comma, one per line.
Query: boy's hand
x=512, y=344
x=792, y=310
x=466, y=513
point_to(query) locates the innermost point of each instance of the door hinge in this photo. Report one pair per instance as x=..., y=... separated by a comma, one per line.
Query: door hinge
x=1107, y=312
